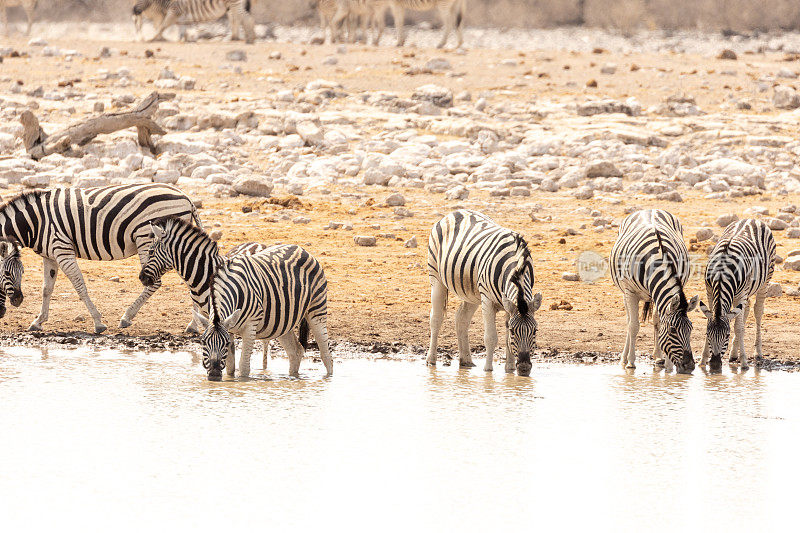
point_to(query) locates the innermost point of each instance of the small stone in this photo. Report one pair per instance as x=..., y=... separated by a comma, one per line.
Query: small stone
x=727, y=54
x=438, y=63
x=608, y=68
x=457, y=193
x=395, y=199
x=253, y=187
x=570, y=276
x=703, y=234
x=236, y=55
x=330, y=60
x=365, y=240
x=99, y=107
x=724, y=221
x=215, y=234
x=583, y=193
x=301, y=220
x=412, y=242
x=774, y=290
x=775, y=224
x=793, y=233
x=785, y=97
x=603, y=169
x=114, y=279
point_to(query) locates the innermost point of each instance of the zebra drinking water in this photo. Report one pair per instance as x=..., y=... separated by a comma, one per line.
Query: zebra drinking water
x=196, y=258
x=451, y=11
x=165, y=13
x=650, y=263
x=11, y=270
x=740, y=266
x=101, y=223
x=486, y=266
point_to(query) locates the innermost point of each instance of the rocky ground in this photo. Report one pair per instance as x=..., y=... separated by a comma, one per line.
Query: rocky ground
x=354, y=152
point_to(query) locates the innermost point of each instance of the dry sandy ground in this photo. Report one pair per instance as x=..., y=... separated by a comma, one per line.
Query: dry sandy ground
x=381, y=294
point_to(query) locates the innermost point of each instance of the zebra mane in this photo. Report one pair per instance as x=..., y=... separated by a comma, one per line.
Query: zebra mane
x=22, y=197
x=173, y=221
x=684, y=303
x=523, y=256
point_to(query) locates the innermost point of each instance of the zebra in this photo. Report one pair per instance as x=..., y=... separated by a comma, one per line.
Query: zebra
x=265, y=296
x=486, y=266
x=451, y=11
x=195, y=257
x=28, y=5
x=650, y=262
x=99, y=223
x=11, y=270
x=740, y=266
x=165, y=13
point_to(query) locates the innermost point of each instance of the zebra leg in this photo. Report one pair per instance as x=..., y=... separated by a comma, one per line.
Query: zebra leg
x=706, y=351
x=29, y=14
x=4, y=18
x=249, y=26
x=758, y=311
x=320, y=331
x=628, y=358
x=379, y=24
x=399, y=14
x=230, y=359
x=658, y=357
x=248, y=339
x=73, y=272
x=337, y=23
x=463, y=318
x=438, y=305
x=489, y=331
x=50, y=271
x=459, y=16
x=740, y=335
x=294, y=350
x=733, y=348
x=147, y=292
x=448, y=16
x=166, y=22
x=511, y=359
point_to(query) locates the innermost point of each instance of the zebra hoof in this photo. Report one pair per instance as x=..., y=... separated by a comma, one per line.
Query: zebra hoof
x=124, y=323
x=630, y=366
x=466, y=364
x=34, y=327
x=100, y=329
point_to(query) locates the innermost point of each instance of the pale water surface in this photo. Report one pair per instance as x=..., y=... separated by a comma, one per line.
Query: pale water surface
x=124, y=441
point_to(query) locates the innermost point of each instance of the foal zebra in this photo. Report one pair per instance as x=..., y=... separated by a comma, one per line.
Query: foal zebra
x=451, y=11
x=265, y=296
x=28, y=5
x=102, y=223
x=11, y=271
x=650, y=262
x=486, y=266
x=165, y=13
x=740, y=266
x=196, y=258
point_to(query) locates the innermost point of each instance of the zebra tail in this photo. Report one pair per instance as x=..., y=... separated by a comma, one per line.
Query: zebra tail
x=303, y=334
x=247, y=6
x=196, y=218
x=647, y=309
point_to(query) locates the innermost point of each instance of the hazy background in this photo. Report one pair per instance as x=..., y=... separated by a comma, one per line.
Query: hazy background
x=627, y=15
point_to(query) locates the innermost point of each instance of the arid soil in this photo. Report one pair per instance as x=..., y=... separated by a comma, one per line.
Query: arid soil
x=379, y=296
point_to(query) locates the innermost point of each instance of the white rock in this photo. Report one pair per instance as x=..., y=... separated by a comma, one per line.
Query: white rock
x=703, y=234
x=457, y=193
x=36, y=181
x=775, y=224
x=438, y=63
x=785, y=97
x=412, y=242
x=774, y=290
x=395, y=199
x=599, y=169
x=167, y=176
x=236, y=55
x=570, y=276
x=724, y=221
x=365, y=240
x=309, y=132
x=435, y=94
x=253, y=186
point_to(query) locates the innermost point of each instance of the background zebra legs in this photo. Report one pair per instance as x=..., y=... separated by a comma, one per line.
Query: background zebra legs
x=170, y=19
x=658, y=357
x=438, y=304
x=489, y=331
x=49, y=271
x=267, y=353
x=294, y=350
x=319, y=330
x=69, y=266
x=399, y=14
x=463, y=318
x=737, y=345
x=628, y=356
x=248, y=340
x=758, y=311
x=130, y=313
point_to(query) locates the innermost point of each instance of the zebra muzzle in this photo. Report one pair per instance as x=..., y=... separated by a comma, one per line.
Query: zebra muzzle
x=524, y=364
x=146, y=279
x=16, y=298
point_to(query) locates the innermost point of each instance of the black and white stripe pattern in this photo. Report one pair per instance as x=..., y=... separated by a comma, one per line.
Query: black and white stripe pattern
x=165, y=13
x=266, y=296
x=740, y=266
x=486, y=266
x=102, y=224
x=650, y=263
x=195, y=257
x=11, y=270
x=451, y=11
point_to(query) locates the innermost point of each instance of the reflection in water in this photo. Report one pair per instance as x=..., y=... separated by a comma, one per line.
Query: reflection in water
x=145, y=440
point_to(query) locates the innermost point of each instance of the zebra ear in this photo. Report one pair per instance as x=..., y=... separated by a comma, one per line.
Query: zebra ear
x=735, y=311
x=5, y=248
x=509, y=306
x=705, y=310
x=158, y=231
x=536, y=303
x=692, y=303
x=674, y=304
x=232, y=319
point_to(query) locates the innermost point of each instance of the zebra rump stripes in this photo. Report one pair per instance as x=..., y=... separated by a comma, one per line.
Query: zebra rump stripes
x=490, y=267
x=103, y=224
x=265, y=296
x=740, y=266
x=650, y=263
x=165, y=13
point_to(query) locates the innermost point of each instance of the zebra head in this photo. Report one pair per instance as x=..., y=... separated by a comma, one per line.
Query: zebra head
x=521, y=324
x=11, y=270
x=140, y=7
x=675, y=331
x=718, y=332
x=217, y=342
x=159, y=257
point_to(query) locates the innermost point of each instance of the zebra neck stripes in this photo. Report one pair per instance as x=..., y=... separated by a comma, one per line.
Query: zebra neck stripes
x=20, y=216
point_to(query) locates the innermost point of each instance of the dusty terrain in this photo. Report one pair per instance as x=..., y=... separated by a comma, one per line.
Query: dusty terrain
x=380, y=295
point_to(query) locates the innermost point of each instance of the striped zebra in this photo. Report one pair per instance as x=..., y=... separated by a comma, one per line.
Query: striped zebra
x=740, y=266
x=28, y=5
x=266, y=296
x=370, y=14
x=196, y=258
x=451, y=11
x=102, y=223
x=11, y=270
x=165, y=13
x=650, y=263
x=486, y=266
